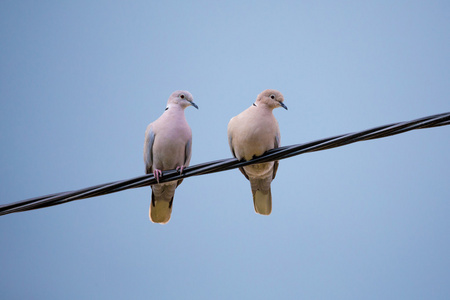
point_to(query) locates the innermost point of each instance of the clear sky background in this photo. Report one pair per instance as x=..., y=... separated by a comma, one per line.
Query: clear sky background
x=80, y=81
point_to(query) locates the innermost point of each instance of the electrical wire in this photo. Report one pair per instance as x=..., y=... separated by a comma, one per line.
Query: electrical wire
x=226, y=164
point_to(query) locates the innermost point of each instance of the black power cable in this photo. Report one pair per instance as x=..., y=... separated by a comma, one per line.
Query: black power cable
x=227, y=164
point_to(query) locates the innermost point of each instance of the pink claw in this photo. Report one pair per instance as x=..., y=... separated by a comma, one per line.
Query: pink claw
x=180, y=169
x=157, y=173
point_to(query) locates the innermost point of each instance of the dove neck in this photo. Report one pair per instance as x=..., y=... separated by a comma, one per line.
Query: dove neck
x=170, y=109
x=263, y=106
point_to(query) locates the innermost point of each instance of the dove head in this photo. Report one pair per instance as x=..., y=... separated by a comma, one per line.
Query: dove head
x=271, y=98
x=182, y=99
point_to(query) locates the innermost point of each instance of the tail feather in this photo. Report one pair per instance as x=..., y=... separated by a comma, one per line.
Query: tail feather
x=160, y=210
x=262, y=195
x=262, y=202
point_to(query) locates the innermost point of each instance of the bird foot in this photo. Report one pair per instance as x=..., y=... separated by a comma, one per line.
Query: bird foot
x=180, y=169
x=157, y=173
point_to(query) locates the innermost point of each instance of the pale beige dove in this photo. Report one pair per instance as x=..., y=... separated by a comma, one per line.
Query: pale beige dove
x=251, y=134
x=168, y=142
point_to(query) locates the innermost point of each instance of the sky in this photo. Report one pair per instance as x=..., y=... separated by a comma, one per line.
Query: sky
x=81, y=80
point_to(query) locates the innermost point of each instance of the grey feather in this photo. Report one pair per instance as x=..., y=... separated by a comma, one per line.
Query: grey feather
x=148, y=150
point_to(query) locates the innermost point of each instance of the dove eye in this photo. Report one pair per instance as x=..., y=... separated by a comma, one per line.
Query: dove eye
x=182, y=96
x=272, y=96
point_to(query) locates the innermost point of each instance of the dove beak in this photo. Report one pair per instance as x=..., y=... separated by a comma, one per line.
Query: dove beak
x=193, y=104
x=282, y=105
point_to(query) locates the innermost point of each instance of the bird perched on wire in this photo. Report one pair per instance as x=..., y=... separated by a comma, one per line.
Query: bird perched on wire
x=168, y=143
x=251, y=134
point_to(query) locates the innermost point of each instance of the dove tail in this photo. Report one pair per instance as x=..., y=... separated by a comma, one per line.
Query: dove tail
x=160, y=210
x=262, y=202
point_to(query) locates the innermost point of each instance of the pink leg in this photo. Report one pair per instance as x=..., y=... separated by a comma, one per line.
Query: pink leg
x=157, y=173
x=180, y=169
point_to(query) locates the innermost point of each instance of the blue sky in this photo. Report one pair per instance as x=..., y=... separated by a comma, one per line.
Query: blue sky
x=80, y=81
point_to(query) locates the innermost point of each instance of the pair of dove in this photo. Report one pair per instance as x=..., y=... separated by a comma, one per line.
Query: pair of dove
x=168, y=143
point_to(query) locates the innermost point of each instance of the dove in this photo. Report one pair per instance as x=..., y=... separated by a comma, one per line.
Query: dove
x=167, y=146
x=250, y=134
